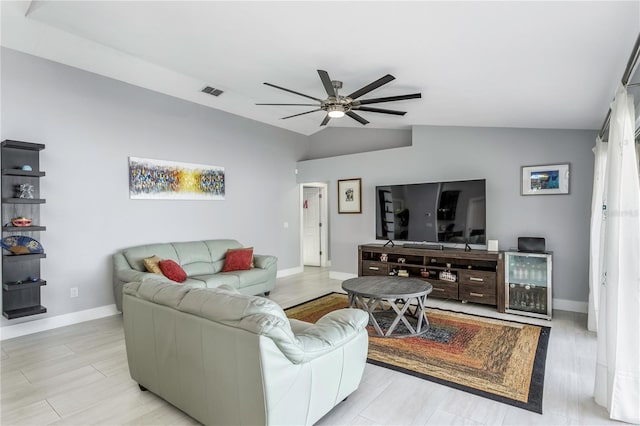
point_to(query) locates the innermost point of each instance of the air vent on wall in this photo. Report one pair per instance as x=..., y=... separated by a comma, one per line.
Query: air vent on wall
x=210, y=90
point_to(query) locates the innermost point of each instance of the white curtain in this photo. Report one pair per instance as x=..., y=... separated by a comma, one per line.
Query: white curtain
x=617, y=384
x=596, y=274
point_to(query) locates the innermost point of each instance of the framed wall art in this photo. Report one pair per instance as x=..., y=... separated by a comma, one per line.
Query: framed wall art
x=545, y=180
x=350, y=195
x=172, y=180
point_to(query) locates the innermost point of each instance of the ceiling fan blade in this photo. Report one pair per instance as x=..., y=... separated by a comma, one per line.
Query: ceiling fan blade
x=326, y=82
x=291, y=104
x=356, y=117
x=388, y=99
x=372, y=86
x=302, y=113
x=383, y=111
x=293, y=91
x=326, y=120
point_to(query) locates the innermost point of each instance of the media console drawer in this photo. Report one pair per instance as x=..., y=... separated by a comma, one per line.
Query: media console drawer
x=474, y=277
x=443, y=289
x=478, y=293
x=374, y=268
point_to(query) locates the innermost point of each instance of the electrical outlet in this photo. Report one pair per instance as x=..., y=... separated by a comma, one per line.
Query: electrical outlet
x=74, y=291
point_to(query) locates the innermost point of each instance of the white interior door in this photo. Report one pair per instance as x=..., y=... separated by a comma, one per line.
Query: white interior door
x=311, y=241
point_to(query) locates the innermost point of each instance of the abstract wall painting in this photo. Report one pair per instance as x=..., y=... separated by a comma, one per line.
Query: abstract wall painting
x=172, y=180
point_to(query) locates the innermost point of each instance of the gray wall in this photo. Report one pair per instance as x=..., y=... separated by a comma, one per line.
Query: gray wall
x=334, y=141
x=457, y=153
x=90, y=125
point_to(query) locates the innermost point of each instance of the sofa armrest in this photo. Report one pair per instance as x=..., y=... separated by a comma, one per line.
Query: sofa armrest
x=298, y=327
x=331, y=331
x=264, y=261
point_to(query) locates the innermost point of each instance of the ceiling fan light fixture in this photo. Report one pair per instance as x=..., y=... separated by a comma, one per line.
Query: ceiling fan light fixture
x=335, y=111
x=337, y=106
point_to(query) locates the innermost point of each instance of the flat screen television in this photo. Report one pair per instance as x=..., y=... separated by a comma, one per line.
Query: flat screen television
x=446, y=213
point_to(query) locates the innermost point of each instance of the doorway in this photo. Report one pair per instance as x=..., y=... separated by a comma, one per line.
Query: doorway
x=314, y=224
x=476, y=212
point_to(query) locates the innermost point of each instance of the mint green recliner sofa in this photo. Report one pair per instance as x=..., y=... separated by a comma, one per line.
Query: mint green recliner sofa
x=201, y=260
x=226, y=358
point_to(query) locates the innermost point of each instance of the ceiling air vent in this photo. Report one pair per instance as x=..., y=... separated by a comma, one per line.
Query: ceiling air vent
x=210, y=90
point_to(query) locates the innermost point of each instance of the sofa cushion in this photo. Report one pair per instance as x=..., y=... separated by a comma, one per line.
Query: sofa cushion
x=216, y=280
x=238, y=259
x=246, y=278
x=172, y=270
x=194, y=257
x=218, y=250
x=198, y=268
x=151, y=264
x=195, y=283
x=252, y=313
x=135, y=255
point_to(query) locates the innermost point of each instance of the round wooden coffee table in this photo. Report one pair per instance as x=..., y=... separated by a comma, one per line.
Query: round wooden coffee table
x=400, y=295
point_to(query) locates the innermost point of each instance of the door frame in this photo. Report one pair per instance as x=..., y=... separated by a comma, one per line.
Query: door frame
x=324, y=219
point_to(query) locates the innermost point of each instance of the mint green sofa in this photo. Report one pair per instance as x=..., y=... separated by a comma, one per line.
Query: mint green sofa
x=201, y=260
x=225, y=358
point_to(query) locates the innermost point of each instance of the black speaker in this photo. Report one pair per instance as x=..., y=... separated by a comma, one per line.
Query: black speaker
x=531, y=244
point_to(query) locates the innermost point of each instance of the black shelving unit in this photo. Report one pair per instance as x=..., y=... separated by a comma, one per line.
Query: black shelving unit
x=21, y=281
x=31, y=228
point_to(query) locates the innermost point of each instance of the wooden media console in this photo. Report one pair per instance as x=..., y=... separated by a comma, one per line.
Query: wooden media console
x=469, y=276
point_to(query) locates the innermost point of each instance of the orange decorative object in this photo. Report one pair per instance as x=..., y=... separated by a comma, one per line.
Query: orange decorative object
x=21, y=221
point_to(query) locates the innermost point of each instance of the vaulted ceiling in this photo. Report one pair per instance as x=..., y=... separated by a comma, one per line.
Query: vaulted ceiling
x=540, y=64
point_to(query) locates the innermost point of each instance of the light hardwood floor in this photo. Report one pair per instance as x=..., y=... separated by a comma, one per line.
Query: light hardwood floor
x=78, y=375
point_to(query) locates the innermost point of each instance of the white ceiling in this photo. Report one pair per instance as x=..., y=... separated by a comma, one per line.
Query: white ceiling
x=543, y=64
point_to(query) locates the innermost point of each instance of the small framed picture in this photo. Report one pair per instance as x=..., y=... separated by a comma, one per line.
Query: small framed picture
x=545, y=180
x=350, y=195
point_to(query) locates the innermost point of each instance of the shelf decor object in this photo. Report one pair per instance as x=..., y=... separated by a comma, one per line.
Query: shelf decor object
x=172, y=180
x=21, y=221
x=350, y=196
x=21, y=244
x=545, y=180
x=26, y=191
x=21, y=280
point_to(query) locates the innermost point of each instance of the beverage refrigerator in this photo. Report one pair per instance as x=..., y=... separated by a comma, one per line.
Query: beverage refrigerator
x=528, y=284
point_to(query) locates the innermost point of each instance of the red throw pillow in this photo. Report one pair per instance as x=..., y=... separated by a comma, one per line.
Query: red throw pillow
x=172, y=270
x=238, y=259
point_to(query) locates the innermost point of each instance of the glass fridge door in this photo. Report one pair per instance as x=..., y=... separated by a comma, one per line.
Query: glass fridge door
x=528, y=278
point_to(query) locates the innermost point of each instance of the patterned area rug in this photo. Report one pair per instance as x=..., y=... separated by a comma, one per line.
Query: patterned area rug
x=496, y=359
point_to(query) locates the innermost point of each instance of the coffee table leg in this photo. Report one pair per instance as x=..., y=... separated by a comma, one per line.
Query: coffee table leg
x=400, y=317
x=421, y=313
x=370, y=306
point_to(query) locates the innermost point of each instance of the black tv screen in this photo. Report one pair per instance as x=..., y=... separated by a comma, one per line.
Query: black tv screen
x=436, y=212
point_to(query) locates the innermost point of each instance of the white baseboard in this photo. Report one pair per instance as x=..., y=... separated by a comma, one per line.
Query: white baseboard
x=11, y=331
x=335, y=275
x=570, y=305
x=291, y=271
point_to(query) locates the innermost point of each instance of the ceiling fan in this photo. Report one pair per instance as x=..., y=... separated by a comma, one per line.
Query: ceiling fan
x=337, y=106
